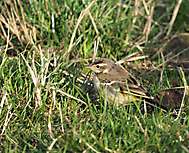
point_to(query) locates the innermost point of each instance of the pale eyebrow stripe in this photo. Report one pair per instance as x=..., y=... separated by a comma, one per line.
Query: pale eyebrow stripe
x=102, y=64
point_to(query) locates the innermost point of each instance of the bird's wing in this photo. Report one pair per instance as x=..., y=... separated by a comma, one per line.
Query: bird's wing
x=131, y=89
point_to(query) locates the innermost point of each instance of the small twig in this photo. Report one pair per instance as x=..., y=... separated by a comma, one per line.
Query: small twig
x=175, y=12
x=184, y=94
x=82, y=15
x=7, y=119
x=131, y=57
x=181, y=87
x=49, y=121
x=93, y=22
x=140, y=125
x=96, y=43
x=147, y=27
x=161, y=74
x=35, y=79
x=136, y=10
x=70, y=96
x=61, y=117
x=52, y=144
x=167, y=60
x=3, y=100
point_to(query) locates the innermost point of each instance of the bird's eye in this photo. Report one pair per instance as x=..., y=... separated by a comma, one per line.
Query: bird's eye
x=97, y=66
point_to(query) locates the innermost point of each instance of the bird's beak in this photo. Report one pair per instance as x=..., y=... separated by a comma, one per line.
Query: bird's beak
x=89, y=66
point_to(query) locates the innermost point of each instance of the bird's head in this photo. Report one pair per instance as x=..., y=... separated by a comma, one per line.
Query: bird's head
x=102, y=65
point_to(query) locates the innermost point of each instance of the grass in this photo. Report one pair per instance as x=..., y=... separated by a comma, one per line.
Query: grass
x=44, y=49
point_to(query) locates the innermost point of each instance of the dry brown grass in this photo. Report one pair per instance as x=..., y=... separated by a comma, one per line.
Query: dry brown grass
x=14, y=25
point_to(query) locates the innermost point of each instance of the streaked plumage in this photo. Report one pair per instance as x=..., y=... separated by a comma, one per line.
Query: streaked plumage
x=119, y=85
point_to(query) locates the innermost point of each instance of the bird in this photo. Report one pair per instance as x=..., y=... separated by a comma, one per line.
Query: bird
x=119, y=85
x=108, y=70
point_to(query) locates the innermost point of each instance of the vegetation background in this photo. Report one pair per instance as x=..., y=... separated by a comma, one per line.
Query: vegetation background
x=44, y=48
